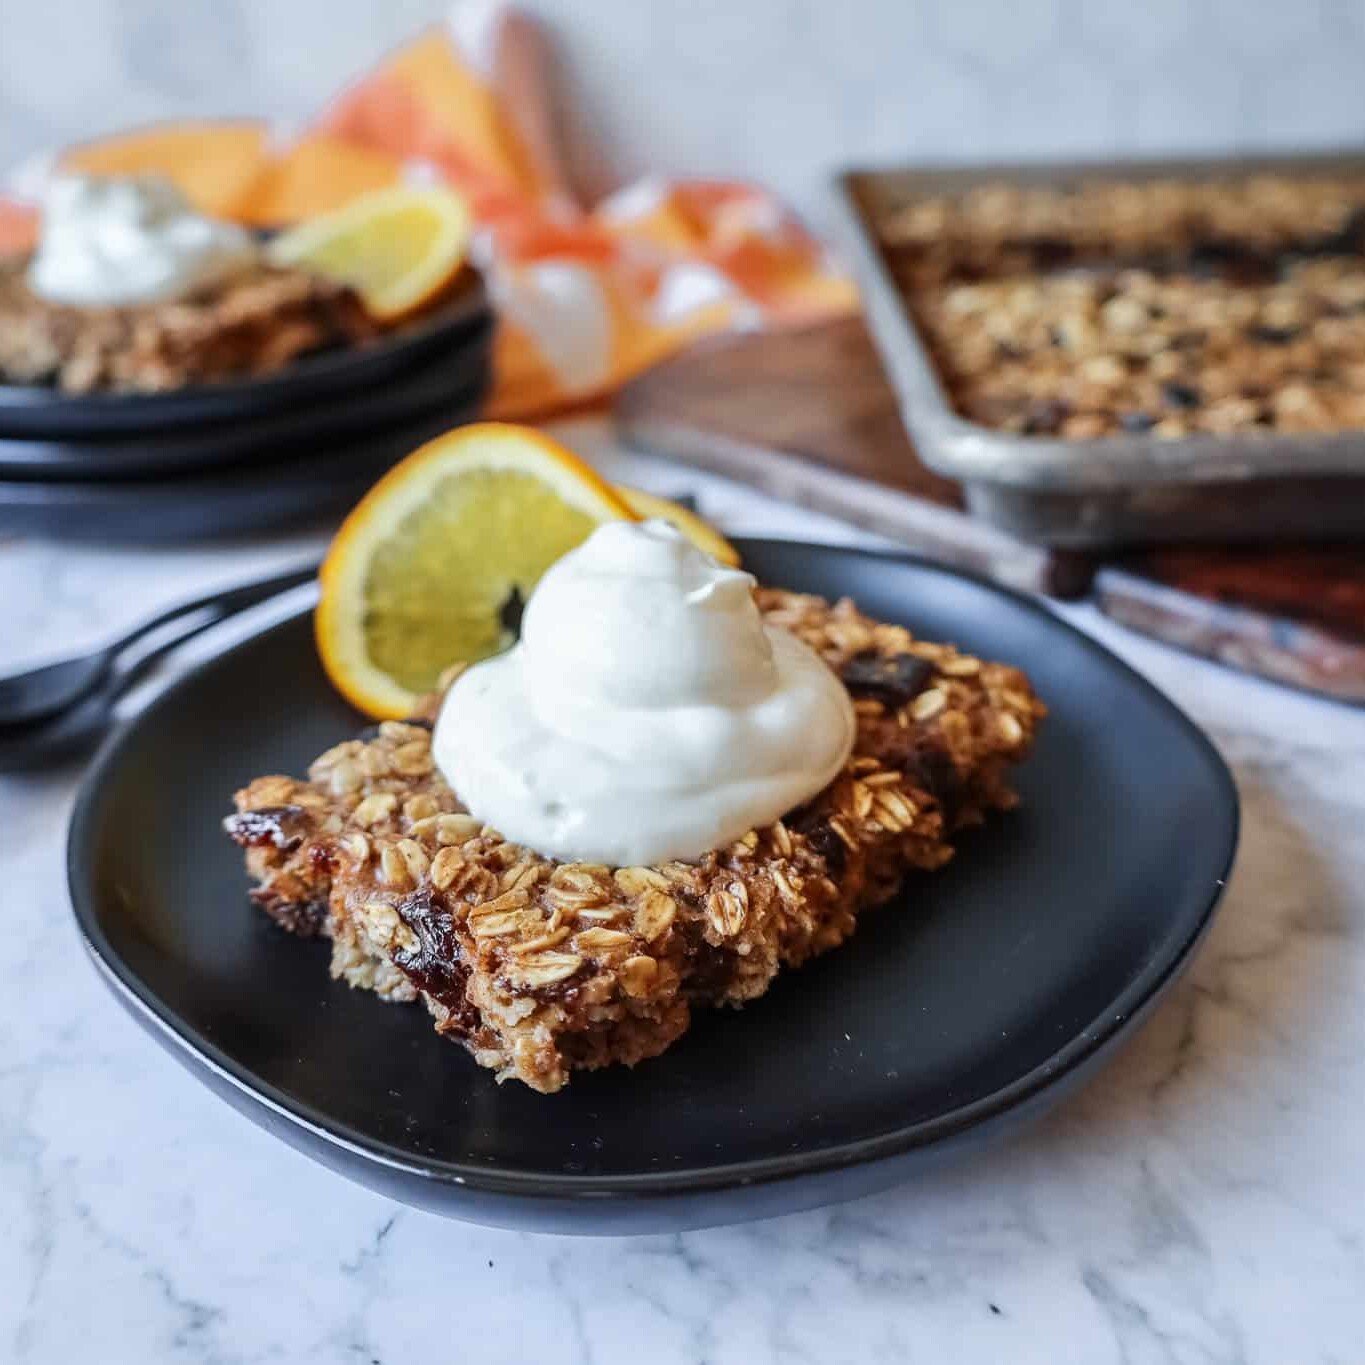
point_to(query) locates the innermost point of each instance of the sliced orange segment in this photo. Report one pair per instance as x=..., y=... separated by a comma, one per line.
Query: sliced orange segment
x=702, y=534
x=398, y=248
x=430, y=568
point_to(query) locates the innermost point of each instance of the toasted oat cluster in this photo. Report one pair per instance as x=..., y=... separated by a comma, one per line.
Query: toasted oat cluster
x=1164, y=307
x=252, y=326
x=540, y=967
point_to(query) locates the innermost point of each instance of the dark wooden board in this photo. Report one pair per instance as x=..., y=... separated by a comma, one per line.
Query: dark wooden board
x=1294, y=614
x=808, y=415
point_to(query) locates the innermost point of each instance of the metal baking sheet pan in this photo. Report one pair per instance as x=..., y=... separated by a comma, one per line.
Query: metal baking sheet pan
x=1121, y=489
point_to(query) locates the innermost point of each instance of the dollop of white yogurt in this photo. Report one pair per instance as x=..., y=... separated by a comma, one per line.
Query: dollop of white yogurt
x=111, y=242
x=647, y=712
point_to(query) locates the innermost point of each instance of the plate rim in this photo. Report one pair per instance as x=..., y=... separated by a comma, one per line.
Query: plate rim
x=1116, y=1020
x=474, y=381
x=440, y=379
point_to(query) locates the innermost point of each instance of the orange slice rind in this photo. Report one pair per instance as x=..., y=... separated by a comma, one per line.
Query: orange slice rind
x=398, y=248
x=427, y=570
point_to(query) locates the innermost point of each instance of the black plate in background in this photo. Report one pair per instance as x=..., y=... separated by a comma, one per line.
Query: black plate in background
x=972, y=1002
x=261, y=496
x=301, y=430
x=46, y=413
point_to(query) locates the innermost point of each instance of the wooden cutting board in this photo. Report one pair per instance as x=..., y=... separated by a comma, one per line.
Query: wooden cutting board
x=808, y=416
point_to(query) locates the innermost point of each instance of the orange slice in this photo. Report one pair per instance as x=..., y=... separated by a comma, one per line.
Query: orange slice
x=702, y=534
x=430, y=567
x=398, y=248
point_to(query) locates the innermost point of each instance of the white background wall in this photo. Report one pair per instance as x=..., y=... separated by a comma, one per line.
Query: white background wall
x=781, y=89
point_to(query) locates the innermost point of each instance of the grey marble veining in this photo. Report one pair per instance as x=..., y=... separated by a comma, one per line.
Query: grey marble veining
x=1199, y=1202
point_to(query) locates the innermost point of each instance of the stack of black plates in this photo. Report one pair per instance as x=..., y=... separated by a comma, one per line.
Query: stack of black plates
x=246, y=455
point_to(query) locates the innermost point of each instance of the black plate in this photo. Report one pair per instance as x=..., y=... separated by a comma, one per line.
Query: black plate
x=973, y=1002
x=302, y=429
x=48, y=414
x=262, y=496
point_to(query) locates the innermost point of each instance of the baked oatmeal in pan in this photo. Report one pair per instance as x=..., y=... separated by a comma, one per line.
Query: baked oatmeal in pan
x=1161, y=307
x=540, y=967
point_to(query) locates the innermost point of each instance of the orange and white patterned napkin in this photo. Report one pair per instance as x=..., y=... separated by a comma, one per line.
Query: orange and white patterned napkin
x=586, y=297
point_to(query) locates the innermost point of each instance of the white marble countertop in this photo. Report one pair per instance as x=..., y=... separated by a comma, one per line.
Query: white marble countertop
x=1202, y=1201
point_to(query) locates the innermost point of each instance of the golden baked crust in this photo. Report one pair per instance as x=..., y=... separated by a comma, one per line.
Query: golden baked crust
x=540, y=967
x=255, y=324
x=1163, y=307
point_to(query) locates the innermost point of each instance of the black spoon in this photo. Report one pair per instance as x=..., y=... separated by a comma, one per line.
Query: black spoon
x=41, y=693
x=24, y=748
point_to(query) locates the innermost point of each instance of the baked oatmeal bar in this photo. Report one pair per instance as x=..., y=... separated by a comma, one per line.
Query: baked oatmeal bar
x=539, y=967
x=258, y=323
x=1163, y=307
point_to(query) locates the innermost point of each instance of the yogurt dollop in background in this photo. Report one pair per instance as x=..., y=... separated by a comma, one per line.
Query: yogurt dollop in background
x=647, y=712
x=106, y=243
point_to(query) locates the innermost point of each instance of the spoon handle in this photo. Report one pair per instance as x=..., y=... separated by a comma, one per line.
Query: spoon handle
x=213, y=610
x=225, y=602
x=123, y=682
